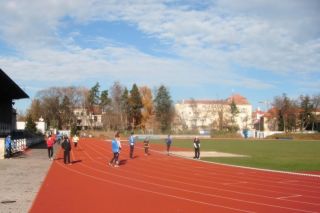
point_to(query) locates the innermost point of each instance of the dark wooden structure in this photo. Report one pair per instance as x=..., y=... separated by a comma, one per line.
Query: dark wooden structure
x=9, y=91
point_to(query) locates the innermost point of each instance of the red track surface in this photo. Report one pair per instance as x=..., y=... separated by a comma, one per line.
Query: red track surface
x=161, y=183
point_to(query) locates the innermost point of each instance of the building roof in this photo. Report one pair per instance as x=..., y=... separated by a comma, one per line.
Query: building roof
x=9, y=90
x=238, y=100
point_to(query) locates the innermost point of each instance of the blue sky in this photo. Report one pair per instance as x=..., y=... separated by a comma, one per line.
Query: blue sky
x=209, y=50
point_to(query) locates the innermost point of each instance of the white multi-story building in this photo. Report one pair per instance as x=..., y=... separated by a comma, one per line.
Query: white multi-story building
x=87, y=119
x=208, y=114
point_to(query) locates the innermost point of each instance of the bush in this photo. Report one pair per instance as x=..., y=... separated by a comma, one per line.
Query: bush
x=296, y=136
x=224, y=134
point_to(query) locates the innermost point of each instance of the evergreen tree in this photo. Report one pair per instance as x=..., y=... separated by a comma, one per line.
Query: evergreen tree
x=234, y=112
x=31, y=126
x=163, y=108
x=93, y=96
x=105, y=101
x=135, y=104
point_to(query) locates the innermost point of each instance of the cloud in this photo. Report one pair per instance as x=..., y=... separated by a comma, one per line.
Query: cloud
x=279, y=37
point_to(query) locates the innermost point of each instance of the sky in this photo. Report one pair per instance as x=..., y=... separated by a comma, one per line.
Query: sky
x=207, y=49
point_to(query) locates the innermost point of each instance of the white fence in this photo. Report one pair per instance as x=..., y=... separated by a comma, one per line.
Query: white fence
x=19, y=145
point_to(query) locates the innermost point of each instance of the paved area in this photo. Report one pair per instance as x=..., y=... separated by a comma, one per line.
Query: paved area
x=21, y=178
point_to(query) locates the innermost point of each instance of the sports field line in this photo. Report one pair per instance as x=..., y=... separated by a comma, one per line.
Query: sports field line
x=251, y=168
x=200, y=186
x=103, y=171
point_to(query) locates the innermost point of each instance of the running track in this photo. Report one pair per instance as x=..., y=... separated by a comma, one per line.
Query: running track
x=161, y=183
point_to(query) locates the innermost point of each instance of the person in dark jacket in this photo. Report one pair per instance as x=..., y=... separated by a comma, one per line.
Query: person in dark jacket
x=196, y=144
x=67, y=148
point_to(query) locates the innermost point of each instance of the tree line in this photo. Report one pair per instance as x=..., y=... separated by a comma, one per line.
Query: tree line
x=140, y=108
x=121, y=108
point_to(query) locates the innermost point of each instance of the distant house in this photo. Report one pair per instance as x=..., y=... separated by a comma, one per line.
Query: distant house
x=9, y=91
x=205, y=114
x=89, y=119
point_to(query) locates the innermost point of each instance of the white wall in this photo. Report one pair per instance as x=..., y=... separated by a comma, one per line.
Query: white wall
x=41, y=126
x=2, y=148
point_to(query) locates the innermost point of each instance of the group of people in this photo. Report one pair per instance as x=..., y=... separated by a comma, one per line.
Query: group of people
x=116, y=147
x=65, y=145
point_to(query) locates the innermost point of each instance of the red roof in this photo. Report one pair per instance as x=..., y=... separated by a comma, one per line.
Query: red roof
x=238, y=99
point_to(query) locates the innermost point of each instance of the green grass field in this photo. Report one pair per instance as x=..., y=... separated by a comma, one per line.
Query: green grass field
x=284, y=155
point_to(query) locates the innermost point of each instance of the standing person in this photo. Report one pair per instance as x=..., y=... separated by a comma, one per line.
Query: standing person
x=115, y=150
x=117, y=138
x=75, y=140
x=132, y=141
x=168, y=142
x=8, y=146
x=146, y=146
x=50, y=143
x=67, y=148
x=59, y=137
x=196, y=144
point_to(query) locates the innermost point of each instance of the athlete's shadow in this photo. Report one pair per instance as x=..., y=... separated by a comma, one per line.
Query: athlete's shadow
x=76, y=161
x=123, y=162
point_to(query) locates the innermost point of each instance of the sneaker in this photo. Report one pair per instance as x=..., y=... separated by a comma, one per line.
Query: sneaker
x=116, y=165
x=109, y=164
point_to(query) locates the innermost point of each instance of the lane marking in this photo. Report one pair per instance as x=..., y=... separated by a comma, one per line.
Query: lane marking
x=291, y=196
x=150, y=191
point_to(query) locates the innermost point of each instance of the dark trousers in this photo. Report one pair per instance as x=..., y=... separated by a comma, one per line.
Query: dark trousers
x=131, y=151
x=197, y=152
x=115, y=157
x=75, y=144
x=50, y=152
x=66, y=157
x=168, y=147
x=146, y=150
x=8, y=152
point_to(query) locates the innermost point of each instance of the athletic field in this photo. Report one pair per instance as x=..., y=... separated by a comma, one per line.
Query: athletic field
x=162, y=183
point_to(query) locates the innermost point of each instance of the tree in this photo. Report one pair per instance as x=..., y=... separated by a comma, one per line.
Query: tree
x=116, y=120
x=234, y=112
x=35, y=110
x=125, y=107
x=31, y=126
x=147, y=110
x=105, y=101
x=286, y=113
x=93, y=100
x=66, y=113
x=306, y=114
x=135, y=104
x=163, y=108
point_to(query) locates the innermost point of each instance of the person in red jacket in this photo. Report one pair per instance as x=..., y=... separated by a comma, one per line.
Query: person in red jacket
x=50, y=143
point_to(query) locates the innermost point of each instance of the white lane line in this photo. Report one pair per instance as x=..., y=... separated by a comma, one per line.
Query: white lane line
x=195, y=192
x=287, y=197
x=153, y=192
x=287, y=181
x=258, y=195
x=234, y=183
